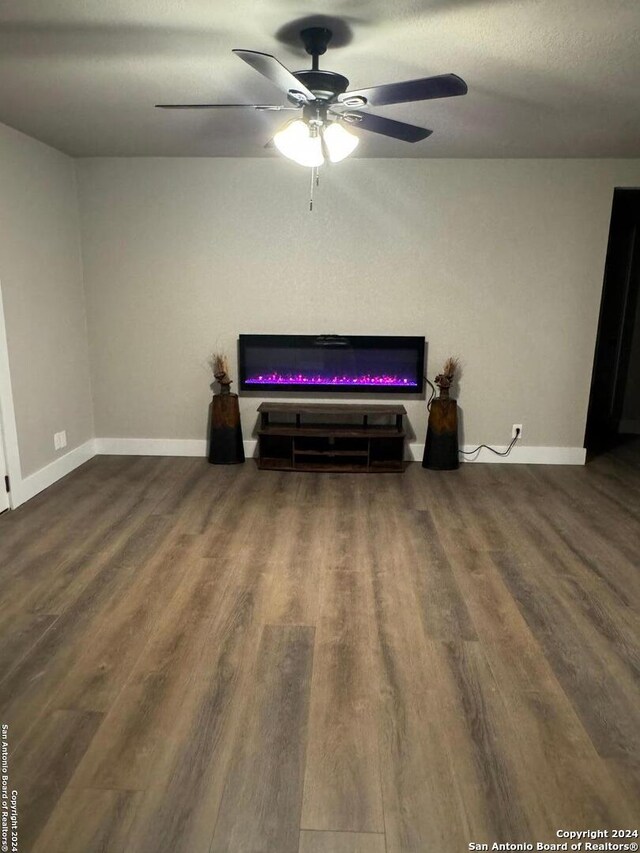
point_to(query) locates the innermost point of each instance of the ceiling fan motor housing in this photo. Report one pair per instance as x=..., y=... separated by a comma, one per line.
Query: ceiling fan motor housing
x=325, y=85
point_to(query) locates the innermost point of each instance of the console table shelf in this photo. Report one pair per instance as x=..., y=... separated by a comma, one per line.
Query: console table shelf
x=304, y=438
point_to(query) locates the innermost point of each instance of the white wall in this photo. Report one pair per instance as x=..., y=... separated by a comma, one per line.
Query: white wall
x=42, y=289
x=500, y=262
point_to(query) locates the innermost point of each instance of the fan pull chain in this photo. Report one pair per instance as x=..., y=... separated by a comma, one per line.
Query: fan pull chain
x=315, y=182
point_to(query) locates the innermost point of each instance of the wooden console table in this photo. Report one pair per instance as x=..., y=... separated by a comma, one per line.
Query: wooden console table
x=303, y=437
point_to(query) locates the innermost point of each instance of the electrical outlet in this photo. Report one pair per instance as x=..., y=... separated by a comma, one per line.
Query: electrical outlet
x=60, y=440
x=516, y=430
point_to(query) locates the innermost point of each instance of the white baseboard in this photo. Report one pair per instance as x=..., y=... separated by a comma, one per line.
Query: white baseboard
x=151, y=447
x=414, y=452
x=160, y=447
x=524, y=455
x=198, y=447
x=28, y=487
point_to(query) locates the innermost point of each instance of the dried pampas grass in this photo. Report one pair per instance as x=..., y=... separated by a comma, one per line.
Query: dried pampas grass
x=444, y=380
x=219, y=364
x=451, y=365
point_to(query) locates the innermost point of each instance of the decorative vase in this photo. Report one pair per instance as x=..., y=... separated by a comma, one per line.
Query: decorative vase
x=441, y=446
x=225, y=435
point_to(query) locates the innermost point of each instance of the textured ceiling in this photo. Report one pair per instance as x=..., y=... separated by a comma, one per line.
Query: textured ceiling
x=547, y=78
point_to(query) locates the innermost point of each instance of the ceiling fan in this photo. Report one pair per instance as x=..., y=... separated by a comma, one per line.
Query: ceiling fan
x=328, y=108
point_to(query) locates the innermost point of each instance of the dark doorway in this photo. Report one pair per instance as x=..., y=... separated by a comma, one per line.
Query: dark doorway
x=614, y=403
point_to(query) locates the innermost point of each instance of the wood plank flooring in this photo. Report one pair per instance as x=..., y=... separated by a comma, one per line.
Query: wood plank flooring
x=201, y=659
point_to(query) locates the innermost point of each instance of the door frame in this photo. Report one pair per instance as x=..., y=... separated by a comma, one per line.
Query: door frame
x=8, y=415
x=617, y=311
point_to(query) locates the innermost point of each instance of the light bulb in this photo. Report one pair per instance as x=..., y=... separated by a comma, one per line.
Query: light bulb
x=297, y=143
x=340, y=143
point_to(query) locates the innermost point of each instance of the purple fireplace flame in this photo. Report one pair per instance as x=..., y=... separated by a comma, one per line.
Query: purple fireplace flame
x=366, y=363
x=319, y=379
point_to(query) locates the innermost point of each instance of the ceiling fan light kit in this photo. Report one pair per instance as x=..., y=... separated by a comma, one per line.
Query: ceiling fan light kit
x=309, y=143
x=300, y=143
x=320, y=134
x=340, y=143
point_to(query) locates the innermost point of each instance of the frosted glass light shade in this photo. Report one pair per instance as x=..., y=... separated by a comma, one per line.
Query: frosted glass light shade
x=340, y=143
x=296, y=142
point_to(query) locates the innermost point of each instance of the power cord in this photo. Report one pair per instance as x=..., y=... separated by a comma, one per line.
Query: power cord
x=480, y=446
x=497, y=452
x=433, y=393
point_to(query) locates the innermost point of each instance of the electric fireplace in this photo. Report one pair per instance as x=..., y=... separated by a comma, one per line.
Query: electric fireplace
x=354, y=363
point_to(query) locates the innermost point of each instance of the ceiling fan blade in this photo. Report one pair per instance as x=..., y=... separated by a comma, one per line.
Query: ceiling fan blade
x=275, y=71
x=424, y=89
x=277, y=107
x=386, y=126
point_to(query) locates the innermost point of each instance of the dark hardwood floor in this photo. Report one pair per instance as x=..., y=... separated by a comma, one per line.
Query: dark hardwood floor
x=201, y=659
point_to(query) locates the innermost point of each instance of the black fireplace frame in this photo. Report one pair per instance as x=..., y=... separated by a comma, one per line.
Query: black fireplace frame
x=354, y=342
